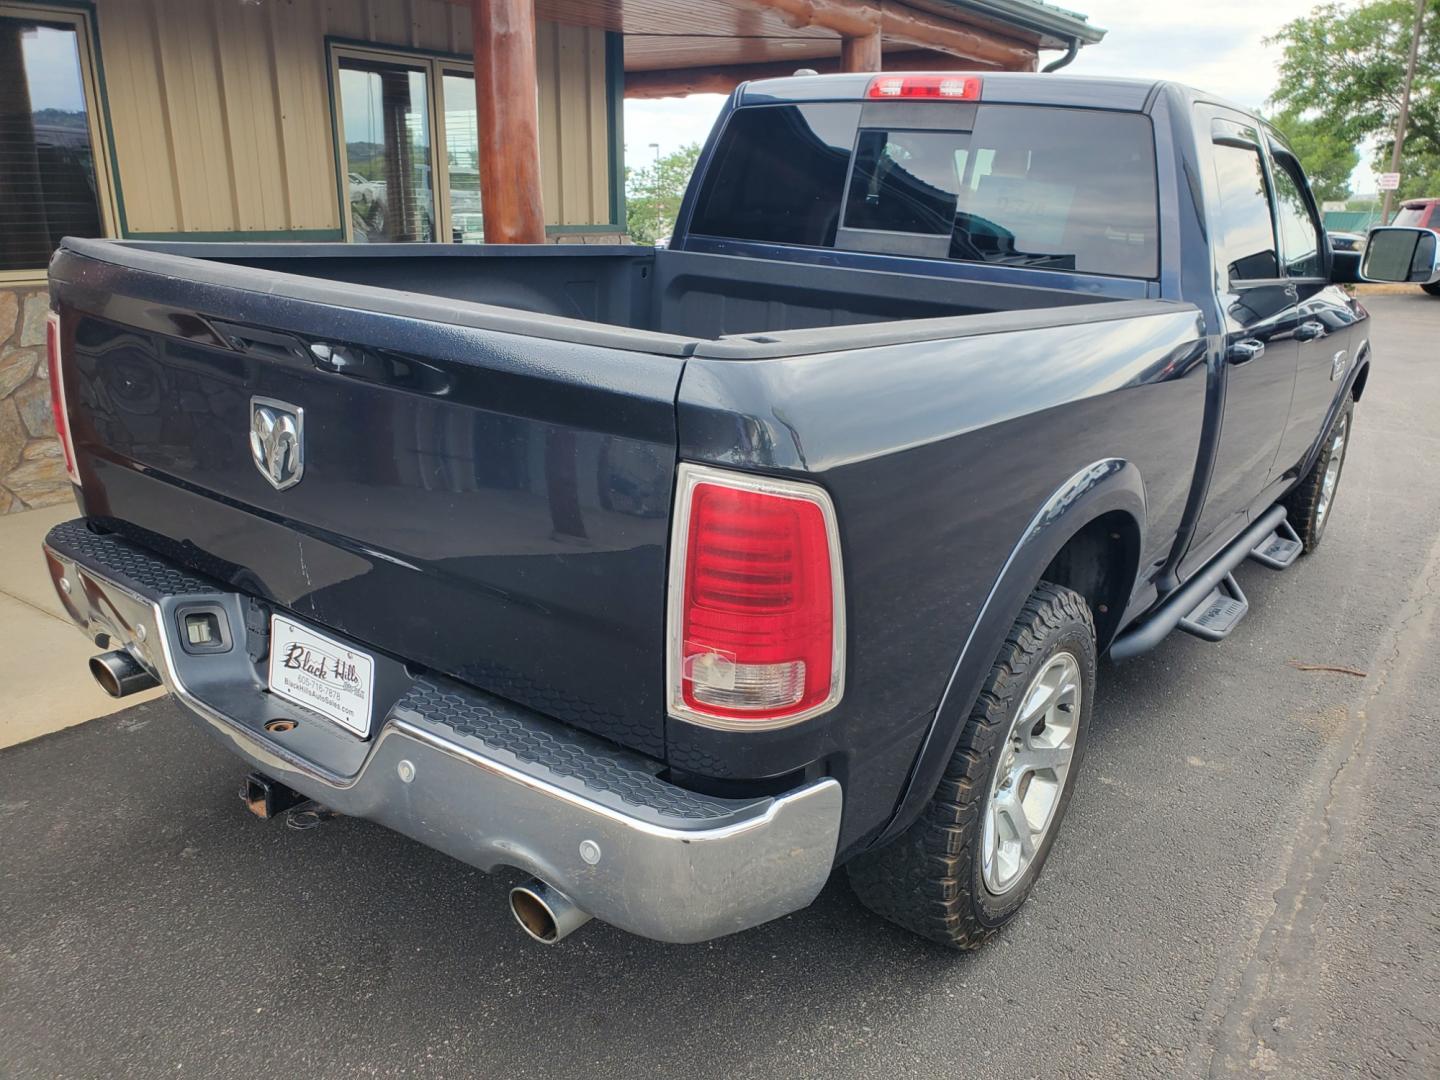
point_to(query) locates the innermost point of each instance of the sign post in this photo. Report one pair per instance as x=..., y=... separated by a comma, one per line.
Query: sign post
x=1404, y=109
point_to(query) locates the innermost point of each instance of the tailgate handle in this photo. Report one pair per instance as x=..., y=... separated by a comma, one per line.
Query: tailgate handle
x=337, y=358
x=264, y=342
x=373, y=365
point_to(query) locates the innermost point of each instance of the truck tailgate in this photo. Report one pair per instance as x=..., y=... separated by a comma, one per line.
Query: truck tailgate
x=483, y=503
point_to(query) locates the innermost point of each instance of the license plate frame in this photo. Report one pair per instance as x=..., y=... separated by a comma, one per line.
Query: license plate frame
x=318, y=673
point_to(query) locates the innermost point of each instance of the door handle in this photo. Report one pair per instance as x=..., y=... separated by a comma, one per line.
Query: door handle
x=1242, y=352
x=1309, y=331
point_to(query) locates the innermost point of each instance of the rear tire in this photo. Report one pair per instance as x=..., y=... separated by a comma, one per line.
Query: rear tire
x=1433, y=288
x=961, y=871
x=1310, y=505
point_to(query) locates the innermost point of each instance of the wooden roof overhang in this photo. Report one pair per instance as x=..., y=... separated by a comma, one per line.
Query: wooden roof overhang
x=685, y=46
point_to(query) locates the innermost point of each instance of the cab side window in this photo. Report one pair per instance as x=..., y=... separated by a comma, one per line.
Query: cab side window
x=1244, y=231
x=1299, y=236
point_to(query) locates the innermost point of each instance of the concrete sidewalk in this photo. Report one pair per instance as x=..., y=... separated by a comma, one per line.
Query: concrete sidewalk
x=42, y=655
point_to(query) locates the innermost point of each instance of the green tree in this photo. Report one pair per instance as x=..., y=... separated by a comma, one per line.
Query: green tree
x=653, y=194
x=1328, y=157
x=1344, y=67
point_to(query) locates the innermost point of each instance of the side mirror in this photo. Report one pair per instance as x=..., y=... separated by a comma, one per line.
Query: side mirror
x=1400, y=254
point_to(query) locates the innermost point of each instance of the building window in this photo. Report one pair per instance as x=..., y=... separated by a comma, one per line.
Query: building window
x=387, y=150
x=409, y=147
x=53, y=179
x=462, y=157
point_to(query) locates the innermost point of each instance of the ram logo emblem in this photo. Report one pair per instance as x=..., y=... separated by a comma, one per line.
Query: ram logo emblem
x=277, y=441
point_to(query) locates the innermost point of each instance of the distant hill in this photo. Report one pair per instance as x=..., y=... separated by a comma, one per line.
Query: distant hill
x=61, y=118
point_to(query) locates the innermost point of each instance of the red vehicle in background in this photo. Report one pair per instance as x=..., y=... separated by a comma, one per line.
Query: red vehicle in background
x=1424, y=214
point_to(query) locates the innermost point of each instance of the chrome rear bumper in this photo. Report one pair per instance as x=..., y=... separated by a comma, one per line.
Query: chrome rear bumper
x=477, y=777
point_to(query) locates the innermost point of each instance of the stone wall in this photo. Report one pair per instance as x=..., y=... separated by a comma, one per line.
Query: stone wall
x=32, y=470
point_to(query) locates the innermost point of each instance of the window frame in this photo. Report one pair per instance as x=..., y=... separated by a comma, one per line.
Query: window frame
x=435, y=65
x=96, y=114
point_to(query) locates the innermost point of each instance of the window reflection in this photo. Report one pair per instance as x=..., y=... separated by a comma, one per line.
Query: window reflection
x=386, y=116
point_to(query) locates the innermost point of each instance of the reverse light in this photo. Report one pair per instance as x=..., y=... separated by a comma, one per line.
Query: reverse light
x=925, y=87
x=756, y=620
x=57, y=395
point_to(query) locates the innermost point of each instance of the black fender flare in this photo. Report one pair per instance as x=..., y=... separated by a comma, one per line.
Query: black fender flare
x=1106, y=485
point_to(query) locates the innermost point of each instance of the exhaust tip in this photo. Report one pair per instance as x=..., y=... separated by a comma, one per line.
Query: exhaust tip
x=120, y=674
x=546, y=914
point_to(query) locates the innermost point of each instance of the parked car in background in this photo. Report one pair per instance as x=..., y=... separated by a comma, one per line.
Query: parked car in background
x=1424, y=214
x=678, y=577
x=364, y=189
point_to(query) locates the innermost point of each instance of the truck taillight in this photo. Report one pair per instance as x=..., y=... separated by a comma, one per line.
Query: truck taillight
x=57, y=395
x=757, y=613
x=925, y=87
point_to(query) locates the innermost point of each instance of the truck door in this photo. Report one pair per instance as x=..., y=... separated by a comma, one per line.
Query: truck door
x=1325, y=318
x=1258, y=309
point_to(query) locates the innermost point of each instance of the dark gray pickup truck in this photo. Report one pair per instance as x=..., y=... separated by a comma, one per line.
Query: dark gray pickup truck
x=675, y=579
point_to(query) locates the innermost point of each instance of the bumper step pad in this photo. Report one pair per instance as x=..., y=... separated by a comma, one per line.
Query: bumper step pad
x=1279, y=549
x=1219, y=613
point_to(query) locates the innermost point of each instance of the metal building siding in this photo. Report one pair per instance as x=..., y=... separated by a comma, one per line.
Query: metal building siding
x=221, y=110
x=573, y=124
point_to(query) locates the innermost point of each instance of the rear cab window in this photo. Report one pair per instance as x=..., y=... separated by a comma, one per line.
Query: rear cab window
x=778, y=174
x=1050, y=188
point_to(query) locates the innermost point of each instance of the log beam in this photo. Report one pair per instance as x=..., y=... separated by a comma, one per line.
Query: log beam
x=721, y=79
x=905, y=25
x=910, y=26
x=507, y=112
x=849, y=18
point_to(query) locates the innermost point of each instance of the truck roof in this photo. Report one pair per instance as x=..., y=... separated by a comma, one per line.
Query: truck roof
x=1011, y=87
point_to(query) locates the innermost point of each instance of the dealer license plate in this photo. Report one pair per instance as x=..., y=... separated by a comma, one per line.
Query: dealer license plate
x=321, y=674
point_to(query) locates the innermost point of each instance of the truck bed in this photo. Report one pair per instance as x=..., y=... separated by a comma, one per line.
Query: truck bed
x=491, y=437
x=647, y=299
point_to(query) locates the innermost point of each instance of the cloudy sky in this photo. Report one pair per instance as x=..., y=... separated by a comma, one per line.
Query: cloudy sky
x=1214, y=44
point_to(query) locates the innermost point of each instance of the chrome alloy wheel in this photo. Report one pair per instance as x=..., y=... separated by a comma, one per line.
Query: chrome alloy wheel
x=1034, y=761
x=1332, y=470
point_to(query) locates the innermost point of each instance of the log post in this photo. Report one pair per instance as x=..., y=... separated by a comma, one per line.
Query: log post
x=507, y=112
x=860, y=53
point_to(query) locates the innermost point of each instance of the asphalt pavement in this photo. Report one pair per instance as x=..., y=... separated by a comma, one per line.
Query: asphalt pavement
x=1247, y=882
